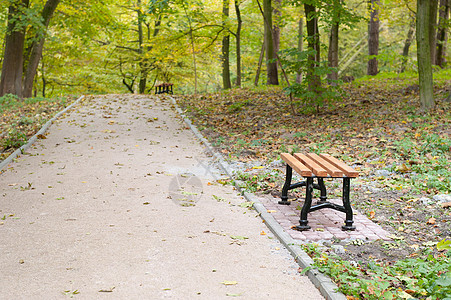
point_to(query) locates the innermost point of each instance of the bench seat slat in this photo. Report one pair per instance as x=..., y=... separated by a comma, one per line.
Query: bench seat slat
x=330, y=168
x=312, y=165
x=296, y=165
x=348, y=171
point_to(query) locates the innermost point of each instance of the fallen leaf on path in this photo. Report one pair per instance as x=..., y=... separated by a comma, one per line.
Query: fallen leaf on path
x=227, y=282
x=446, y=205
x=431, y=221
x=110, y=290
x=238, y=237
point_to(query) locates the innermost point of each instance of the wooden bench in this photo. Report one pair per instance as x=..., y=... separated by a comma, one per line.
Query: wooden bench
x=320, y=166
x=164, y=88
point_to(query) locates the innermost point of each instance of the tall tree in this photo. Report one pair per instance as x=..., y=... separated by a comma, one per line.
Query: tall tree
x=238, y=43
x=271, y=64
x=314, y=80
x=226, y=83
x=424, y=20
x=442, y=32
x=12, y=69
x=373, y=36
x=407, y=43
x=333, y=40
x=277, y=20
x=300, y=44
x=433, y=28
x=37, y=47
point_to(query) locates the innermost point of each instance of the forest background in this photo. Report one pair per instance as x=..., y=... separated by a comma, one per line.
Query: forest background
x=55, y=47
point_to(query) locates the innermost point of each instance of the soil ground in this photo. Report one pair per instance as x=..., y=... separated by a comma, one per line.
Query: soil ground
x=377, y=128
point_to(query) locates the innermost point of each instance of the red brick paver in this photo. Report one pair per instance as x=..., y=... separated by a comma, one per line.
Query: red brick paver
x=326, y=223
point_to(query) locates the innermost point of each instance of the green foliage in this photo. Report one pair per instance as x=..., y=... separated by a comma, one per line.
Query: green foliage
x=427, y=160
x=8, y=102
x=295, y=61
x=14, y=139
x=254, y=182
x=426, y=277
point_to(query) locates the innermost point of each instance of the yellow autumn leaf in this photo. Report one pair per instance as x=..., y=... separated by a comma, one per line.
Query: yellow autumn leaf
x=227, y=282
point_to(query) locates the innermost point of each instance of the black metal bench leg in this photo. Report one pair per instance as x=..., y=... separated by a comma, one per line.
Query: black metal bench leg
x=286, y=186
x=347, y=205
x=306, y=207
x=322, y=188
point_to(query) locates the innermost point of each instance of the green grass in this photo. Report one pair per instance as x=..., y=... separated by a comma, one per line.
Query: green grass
x=428, y=277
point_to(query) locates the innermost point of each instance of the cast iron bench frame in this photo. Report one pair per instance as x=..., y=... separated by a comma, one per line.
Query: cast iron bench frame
x=164, y=88
x=320, y=166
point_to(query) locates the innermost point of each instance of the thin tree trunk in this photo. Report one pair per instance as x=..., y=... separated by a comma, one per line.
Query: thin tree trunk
x=424, y=18
x=192, y=47
x=333, y=53
x=12, y=69
x=407, y=43
x=373, y=36
x=271, y=65
x=142, y=68
x=260, y=62
x=277, y=13
x=433, y=28
x=314, y=81
x=238, y=43
x=333, y=44
x=300, y=44
x=225, y=52
x=43, y=78
x=37, y=48
x=442, y=33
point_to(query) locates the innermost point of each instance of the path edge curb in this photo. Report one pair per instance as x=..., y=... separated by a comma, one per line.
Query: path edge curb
x=34, y=138
x=325, y=285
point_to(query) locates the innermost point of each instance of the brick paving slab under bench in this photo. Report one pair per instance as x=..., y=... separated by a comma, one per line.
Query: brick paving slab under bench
x=325, y=223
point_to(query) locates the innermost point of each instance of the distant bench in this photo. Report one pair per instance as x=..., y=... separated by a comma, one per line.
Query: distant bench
x=320, y=166
x=164, y=88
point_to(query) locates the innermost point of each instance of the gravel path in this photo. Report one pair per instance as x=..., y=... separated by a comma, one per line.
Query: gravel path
x=121, y=202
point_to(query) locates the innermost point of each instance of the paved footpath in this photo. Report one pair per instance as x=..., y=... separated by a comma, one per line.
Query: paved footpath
x=119, y=201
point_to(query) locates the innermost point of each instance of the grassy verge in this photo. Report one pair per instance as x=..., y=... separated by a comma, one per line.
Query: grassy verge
x=22, y=118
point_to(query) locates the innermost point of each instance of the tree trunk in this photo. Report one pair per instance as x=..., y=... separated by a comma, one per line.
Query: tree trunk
x=277, y=13
x=333, y=53
x=300, y=44
x=225, y=52
x=12, y=69
x=260, y=62
x=407, y=43
x=142, y=68
x=424, y=18
x=271, y=64
x=238, y=43
x=373, y=37
x=433, y=28
x=442, y=33
x=314, y=81
x=37, y=47
x=333, y=44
